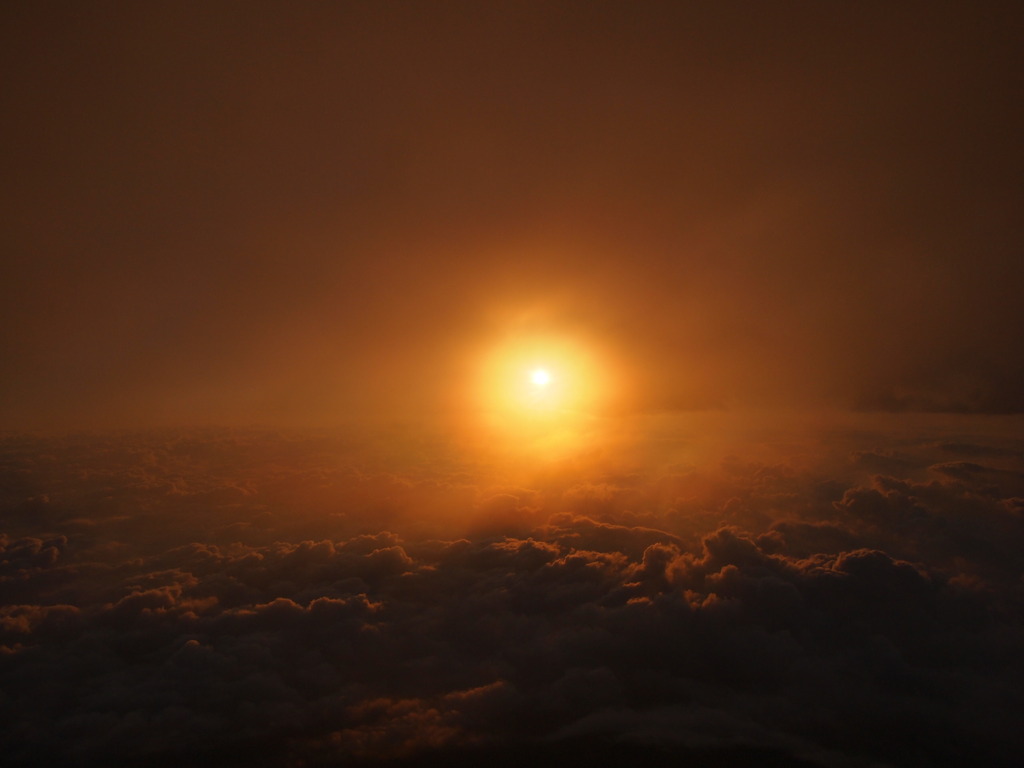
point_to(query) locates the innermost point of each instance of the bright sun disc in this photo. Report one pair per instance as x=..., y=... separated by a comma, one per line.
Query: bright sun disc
x=549, y=378
x=540, y=377
x=541, y=396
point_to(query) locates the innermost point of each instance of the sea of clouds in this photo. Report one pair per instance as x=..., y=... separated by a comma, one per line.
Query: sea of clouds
x=851, y=597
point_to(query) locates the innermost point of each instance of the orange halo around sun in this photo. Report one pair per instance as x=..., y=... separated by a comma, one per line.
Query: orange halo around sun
x=539, y=397
x=541, y=383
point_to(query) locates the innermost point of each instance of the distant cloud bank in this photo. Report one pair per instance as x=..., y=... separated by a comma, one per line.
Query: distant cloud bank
x=229, y=598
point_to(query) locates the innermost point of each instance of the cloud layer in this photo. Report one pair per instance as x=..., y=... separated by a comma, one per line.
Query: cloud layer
x=162, y=604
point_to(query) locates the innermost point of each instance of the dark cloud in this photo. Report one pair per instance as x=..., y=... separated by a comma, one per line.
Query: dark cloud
x=874, y=462
x=974, y=450
x=788, y=628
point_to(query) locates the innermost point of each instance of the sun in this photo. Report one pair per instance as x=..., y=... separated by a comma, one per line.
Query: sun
x=540, y=377
x=540, y=397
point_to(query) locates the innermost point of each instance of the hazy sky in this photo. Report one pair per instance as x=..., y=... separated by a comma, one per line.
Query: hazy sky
x=262, y=212
x=735, y=235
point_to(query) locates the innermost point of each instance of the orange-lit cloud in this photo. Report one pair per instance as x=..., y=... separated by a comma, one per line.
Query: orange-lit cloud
x=322, y=597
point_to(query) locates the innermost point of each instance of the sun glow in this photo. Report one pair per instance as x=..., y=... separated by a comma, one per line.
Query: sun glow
x=540, y=377
x=542, y=395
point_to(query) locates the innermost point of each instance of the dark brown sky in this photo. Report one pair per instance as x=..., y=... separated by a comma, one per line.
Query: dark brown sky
x=264, y=212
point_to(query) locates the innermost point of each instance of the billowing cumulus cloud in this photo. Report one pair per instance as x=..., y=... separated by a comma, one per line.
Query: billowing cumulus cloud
x=266, y=599
x=717, y=226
